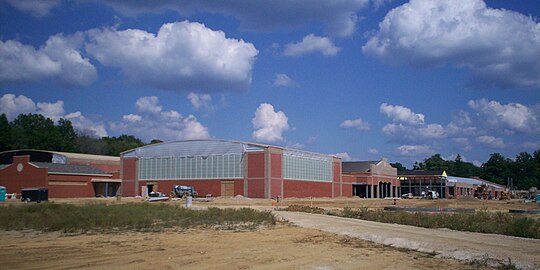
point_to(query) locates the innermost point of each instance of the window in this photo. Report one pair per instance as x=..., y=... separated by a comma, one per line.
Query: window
x=226, y=166
x=297, y=167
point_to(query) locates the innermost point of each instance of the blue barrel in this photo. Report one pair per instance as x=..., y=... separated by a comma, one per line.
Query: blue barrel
x=2, y=194
x=538, y=198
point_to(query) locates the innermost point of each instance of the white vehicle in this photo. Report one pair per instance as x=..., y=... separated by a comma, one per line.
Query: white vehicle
x=430, y=194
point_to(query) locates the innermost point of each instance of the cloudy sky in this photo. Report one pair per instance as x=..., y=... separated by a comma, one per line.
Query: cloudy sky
x=364, y=79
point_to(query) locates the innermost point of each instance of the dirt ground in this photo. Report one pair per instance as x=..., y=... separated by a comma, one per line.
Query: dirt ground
x=282, y=247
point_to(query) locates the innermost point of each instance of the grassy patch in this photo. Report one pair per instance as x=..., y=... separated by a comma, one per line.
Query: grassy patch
x=480, y=221
x=134, y=216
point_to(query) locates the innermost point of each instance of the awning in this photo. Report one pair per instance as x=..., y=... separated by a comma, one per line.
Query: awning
x=106, y=180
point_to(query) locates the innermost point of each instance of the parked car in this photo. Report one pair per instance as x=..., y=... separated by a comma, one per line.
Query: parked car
x=407, y=196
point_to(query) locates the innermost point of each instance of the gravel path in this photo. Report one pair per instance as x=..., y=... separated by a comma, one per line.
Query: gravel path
x=524, y=253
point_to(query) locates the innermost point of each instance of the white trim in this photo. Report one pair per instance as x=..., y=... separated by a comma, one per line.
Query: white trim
x=89, y=174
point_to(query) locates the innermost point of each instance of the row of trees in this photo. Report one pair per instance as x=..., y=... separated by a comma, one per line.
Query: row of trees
x=34, y=131
x=522, y=173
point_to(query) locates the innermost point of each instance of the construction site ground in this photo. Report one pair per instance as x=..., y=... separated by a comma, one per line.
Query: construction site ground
x=305, y=242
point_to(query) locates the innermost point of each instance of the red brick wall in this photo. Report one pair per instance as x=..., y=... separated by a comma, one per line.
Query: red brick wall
x=29, y=177
x=347, y=189
x=348, y=178
x=71, y=186
x=276, y=188
x=255, y=165
x=276, y=166
x=256, y=188
x=129, y=177
x=303, y=189
x=239, y=187
x=128, y=188
x=255, y=174
x=336, y=166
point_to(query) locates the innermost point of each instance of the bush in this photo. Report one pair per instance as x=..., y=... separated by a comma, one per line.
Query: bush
x=133, y=216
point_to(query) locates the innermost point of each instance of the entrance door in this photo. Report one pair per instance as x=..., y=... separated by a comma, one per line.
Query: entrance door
x=227, y=188
x=360, y=191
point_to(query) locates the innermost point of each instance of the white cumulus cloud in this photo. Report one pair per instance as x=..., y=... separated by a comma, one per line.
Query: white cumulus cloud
x=491, y=141
x=358, y=124
x=80, y=122
x=152, y=122
x=373, y=151
x=344, y=156
x=269, y=125
x=511, y=116
x=312, y=44
x=183, y=56
x=60, y=60
x=148, y=104
x=499, y=46
x=38, y=8
x=402, y=114
x=282, y=80
x=132, y=117
x=201, y=101
x=415, y=150
x=13, y=105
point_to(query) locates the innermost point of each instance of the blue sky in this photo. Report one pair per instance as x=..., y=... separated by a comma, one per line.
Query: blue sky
x=362, y=79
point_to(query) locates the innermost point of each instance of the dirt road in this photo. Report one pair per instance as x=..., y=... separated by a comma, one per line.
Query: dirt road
x=525, y=253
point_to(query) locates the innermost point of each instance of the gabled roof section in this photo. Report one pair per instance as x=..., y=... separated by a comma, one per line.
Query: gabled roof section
x=57, y=168
x=357, y=166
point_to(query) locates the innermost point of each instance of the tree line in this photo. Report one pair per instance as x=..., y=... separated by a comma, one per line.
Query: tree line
x=34, y=131
x=521, y=173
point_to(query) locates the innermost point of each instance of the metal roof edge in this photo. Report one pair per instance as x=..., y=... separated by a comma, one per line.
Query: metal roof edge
x=230, y=141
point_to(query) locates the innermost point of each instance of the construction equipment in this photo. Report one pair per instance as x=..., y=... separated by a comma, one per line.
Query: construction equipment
x=481, y=192
x=430, y=194
x=180, y=191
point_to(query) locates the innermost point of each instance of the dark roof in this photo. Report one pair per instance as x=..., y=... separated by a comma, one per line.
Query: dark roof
x=421, y=172
x=69, y=168
x=356, y=166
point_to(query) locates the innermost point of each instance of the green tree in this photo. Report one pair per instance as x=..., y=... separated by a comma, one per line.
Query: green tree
x=525, y=171
x=5, y=133
x=154, y=141
x=497, y=169
x=436, y=162
x=462, y=169
x=117, y=145
x=68, y=135
x=34, y=131
x=87, y=142
x=398, y=166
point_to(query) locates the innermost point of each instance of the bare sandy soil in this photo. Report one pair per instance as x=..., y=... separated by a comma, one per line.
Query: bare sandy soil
x=524, y=253
x=282, y=247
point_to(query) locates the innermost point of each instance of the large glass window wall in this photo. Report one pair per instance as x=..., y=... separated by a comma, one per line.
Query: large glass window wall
x=307, y=168
x=226, y=166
